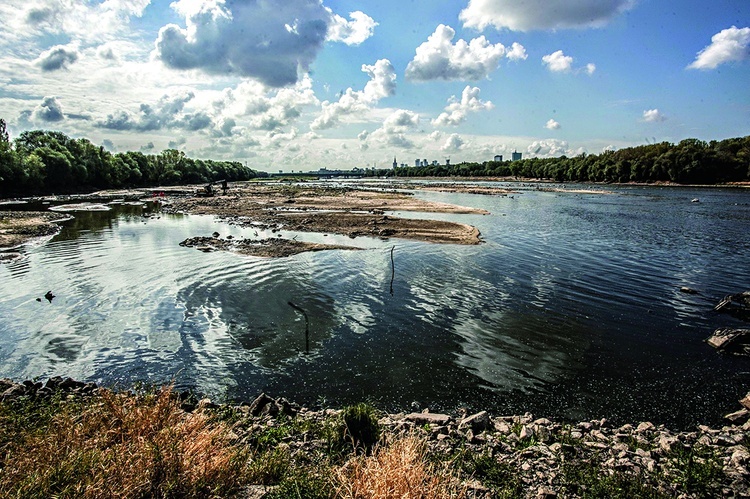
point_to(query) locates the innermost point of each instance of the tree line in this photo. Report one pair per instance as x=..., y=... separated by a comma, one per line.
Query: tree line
x=691, y=161
x=40, y=161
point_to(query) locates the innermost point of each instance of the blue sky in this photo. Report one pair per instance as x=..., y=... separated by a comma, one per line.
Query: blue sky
x=303, y=84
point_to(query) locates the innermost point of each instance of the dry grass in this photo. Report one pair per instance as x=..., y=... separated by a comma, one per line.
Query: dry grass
x=123, y=446
x=398, y=470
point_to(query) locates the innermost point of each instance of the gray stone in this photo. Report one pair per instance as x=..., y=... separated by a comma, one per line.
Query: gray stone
x=738, y=417
x=428, y=418
x=478, y=422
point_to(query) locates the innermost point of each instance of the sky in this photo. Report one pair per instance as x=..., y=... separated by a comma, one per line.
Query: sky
x=298, y=85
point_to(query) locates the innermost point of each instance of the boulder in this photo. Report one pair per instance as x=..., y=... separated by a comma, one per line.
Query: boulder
x=734, y=341
x=477, y=422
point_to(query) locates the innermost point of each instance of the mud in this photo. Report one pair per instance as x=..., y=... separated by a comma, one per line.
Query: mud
x=334, y=210
x=20, y=227
x=270, y=247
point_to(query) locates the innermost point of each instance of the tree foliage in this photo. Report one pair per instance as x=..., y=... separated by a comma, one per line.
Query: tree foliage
x=690, y=162
x=40, y=161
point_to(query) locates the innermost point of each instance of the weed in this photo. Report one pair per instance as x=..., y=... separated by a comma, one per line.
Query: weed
x=400, y=469
x=698, y=469
x=361, y=425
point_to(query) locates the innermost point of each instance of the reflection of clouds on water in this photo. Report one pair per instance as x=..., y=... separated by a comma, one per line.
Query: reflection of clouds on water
x=505, y=343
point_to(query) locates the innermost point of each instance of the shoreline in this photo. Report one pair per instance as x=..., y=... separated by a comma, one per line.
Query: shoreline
x=536, y=457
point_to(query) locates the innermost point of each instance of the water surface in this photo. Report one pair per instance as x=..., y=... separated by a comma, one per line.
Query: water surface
x=570, y=309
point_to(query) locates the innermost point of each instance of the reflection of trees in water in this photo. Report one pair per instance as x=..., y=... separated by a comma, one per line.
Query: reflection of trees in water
x=98, y=221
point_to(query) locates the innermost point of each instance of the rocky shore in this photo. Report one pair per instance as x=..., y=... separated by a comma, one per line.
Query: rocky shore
x=494, y=455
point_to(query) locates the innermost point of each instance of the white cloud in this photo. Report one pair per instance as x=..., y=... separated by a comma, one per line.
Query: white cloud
x=731, y=44
x=653, y=116
x=517, y=52
x=86, y=21
x=273, y=42
x=394, y=130
x=382, y=84
x=549, y=148
x=456, y=111
x=353, y=32
x=557, y=62
x=266, y=109
x=57, y=57
x=168, y=112
x=552, y=125
x=439, y=59
x=453, y=143
x=541, y=14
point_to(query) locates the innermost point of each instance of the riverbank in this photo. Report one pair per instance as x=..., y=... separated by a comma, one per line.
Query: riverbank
x=77, y=439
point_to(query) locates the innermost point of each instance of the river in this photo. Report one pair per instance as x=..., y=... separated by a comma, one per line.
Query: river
x=570, y=309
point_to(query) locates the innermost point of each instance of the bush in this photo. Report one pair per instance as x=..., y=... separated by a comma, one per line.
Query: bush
x=361, y=426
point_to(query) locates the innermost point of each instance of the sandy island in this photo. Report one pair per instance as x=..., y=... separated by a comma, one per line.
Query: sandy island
x=19, y=227
x=335, y=210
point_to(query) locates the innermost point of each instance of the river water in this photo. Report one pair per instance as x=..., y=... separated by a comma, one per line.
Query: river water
x=570, y=309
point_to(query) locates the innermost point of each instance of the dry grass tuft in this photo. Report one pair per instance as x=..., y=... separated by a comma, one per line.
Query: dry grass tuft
x=397, y=470
x=123, y=446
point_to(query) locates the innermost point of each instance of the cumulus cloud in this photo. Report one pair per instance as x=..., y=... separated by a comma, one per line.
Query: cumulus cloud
x=260, y=107
x=167, y=112
x=552, y=125
x=439, y=59
x=453, y=143
x=88, y=21
x=394, y=130
x=653, y=116
x=273, y=42
x=548, y=148
x=541, y=14
x=558, y=62
x=731, y=44
x=49, y=110
x=517, y=52
x=354, y=32
x=382, y=84
x=456, y=111
x=57, y=57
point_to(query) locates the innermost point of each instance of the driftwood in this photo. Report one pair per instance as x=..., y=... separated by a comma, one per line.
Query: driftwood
x=737, y=305
x=734, y=341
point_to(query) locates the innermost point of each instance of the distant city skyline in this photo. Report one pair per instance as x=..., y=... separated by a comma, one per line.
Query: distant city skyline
x=305, y=84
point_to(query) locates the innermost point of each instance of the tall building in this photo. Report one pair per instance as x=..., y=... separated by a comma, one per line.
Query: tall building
x=515, y=156
x=395, y=164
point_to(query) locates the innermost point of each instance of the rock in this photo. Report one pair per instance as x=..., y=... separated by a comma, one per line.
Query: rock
x=667, y=443
x=745, y=401
x=427, y=418
x=478, y=422
x=689, y=291
x=737, y=305
x=644, y=427
x=738, y=417
x=257, y=406
x=734, y=341
x=545, y=493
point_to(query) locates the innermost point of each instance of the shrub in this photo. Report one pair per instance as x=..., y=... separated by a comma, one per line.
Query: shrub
x=361, y=426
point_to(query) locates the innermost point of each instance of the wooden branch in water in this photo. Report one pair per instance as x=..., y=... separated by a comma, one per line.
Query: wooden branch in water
x=393, y=269
x=307, y=325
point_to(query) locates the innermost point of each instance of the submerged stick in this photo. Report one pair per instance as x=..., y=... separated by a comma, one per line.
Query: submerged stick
x=393, y=269
x=307, y=325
